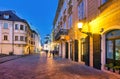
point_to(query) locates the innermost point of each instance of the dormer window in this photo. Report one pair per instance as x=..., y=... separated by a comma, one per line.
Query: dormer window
x=6, y=16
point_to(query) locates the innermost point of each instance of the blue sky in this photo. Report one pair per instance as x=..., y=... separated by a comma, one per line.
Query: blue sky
x=39, y=13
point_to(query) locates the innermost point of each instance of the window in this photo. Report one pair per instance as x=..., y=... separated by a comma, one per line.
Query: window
x=109, y=49
x=5, y=25
x=64, y=25
x=16, y=38
x=5, y=37
x=103, y=1
x=16, y=26
x=32, y=35
x=81, y=11
x=117, y=49
x=31, y=42
x=21, y=38
x=113, y=47
x=25, y=39
x=6, y=16
x=25, y=28
x=21, y=27
x=70, y=21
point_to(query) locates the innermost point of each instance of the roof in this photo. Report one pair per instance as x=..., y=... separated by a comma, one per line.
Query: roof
x=12, y=16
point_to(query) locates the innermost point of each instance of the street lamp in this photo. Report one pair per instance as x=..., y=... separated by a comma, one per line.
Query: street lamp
x=80, y=25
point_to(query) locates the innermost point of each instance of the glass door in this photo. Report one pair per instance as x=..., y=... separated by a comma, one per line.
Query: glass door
x=113, y=47
x=110, y=52
x=117, y=52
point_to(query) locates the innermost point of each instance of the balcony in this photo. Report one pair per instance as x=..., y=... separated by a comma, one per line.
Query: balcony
x=61, y=33
x=70, y=9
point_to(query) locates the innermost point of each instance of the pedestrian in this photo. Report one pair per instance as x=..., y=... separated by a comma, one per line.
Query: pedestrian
x=46, y=53
x=50, y=53
x=53, y=53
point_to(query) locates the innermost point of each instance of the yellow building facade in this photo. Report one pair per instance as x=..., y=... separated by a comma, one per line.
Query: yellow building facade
x=97, y=42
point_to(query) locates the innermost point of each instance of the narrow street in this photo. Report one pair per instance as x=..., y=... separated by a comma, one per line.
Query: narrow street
x=42, y=67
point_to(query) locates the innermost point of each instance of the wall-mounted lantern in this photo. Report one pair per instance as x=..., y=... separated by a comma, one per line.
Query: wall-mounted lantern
x=80, y=25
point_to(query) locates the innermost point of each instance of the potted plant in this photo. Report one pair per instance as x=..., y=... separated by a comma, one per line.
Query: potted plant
x=117, y=69
x=109, y=66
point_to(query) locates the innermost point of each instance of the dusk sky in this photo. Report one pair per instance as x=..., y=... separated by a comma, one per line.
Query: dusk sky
x=39, y=13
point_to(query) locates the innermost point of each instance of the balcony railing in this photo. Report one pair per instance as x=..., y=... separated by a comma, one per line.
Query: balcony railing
x=61, y=32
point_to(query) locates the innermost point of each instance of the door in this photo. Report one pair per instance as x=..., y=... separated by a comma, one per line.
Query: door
x=117, y=52
x=66, y=55
x=71, y=51
x=97, y=51
x=113, y=47
x=113, y=51
x=76, y=49
x=86, y=51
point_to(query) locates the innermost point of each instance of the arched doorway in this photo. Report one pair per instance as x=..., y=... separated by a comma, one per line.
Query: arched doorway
x=113, y=47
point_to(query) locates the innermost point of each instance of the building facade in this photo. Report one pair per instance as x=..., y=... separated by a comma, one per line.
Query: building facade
x=15, y=34
x=36, y=42
x=47, y=42
x=97, y=42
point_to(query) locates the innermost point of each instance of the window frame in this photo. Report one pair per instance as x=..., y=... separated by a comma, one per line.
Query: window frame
x=16, y=27
x=16, y=38
x=21, y=27
x=81, y=10
x=5, y=26
x=21, y=38
x=113, y=37
x=5, y=37
x=70, y=21
x=6, y=16
x=25, y=28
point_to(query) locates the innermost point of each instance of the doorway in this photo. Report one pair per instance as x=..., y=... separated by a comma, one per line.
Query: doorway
x=113, y=47
x=97, y=51
x=85, y=53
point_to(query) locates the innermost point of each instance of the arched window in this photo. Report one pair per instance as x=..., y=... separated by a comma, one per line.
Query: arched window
x=113, y=47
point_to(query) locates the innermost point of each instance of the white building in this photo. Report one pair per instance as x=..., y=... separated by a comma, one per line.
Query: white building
x=15, y=34
x=47, y=43
x=37, y=42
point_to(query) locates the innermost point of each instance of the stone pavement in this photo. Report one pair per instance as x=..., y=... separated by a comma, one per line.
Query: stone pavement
x=41, y=67
x=8, y=58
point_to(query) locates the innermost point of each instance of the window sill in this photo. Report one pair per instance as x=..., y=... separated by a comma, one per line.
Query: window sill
x=83, y=19
x=5, y=28
x=6, y=40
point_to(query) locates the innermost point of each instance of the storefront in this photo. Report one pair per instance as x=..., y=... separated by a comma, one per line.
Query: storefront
x=113, y=47
x=110, y=46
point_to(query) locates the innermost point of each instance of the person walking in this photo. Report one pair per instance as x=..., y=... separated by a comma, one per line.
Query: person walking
x=50, y=53
x=46, y=53
x=53, y=53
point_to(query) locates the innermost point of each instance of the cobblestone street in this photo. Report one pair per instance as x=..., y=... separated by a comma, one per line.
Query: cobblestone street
x=42, y=67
